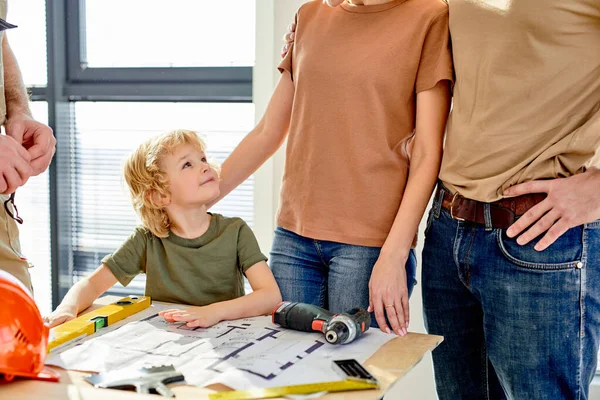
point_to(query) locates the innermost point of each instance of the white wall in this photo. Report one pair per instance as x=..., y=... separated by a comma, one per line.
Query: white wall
x=273, y=18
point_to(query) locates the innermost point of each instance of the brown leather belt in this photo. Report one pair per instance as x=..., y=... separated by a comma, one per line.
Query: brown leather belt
x=503, y=213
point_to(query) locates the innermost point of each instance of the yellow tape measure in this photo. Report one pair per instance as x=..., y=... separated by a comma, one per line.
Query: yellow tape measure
x=269, y=393
x=89, y=323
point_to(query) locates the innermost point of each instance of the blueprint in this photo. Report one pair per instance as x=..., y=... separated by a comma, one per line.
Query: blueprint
x=245, y=353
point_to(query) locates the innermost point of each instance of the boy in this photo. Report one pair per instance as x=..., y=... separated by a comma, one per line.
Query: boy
x=189, y=256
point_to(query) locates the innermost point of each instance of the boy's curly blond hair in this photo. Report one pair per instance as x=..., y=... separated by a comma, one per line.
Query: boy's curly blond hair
x=144, y=176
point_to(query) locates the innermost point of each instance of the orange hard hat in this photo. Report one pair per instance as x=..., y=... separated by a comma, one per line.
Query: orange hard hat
x=23, y=335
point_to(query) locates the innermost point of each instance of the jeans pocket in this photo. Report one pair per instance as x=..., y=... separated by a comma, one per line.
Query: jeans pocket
x=564, y=253
x=429, y=220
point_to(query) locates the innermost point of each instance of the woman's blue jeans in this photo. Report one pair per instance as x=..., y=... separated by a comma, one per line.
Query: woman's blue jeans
x=331, y=275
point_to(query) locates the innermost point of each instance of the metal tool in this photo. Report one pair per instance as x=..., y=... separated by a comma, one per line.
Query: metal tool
x=353, y=370
x=143, y=380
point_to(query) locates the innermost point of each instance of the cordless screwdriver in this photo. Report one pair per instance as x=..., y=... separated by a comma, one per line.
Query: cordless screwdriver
x=338, y=328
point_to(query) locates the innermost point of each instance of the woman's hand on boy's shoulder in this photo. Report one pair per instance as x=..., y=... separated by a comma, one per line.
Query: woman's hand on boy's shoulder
x=60, y=316
x=202, y=317
x=289, y=37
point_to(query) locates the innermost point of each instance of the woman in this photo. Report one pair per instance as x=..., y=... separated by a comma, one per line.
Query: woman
x=359, y=100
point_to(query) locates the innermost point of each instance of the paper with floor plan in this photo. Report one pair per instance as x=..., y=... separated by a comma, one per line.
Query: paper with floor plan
x=241, y=354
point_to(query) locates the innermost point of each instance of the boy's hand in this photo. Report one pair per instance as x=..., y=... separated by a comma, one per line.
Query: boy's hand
x=202, y=317
x=60, y=316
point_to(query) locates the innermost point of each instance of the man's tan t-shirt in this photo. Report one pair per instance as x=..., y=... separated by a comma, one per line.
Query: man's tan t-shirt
x=527, y=93
x=356, y=72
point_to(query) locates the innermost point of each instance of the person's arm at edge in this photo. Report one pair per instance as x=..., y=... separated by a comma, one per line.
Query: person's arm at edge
x=433, y=106
x=262, y=142
x=82, y=295
x=36, y=137
x=17, y=100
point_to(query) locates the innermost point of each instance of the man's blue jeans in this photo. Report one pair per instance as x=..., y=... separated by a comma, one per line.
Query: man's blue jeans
x=517, y=323
x=331, y=275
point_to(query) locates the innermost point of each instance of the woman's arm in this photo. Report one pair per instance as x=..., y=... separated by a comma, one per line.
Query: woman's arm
x=262, y=141
x=388, y=280
x=82, y=295
x=264, y=298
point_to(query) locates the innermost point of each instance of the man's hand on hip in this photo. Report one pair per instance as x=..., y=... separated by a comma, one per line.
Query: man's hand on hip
x=15, y=168
x=570, y=202
x=35, y=137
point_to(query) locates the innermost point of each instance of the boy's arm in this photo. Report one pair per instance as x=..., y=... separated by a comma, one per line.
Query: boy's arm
x=82, y=295
x=263, y=299
x=262, y=142
x=388, y=281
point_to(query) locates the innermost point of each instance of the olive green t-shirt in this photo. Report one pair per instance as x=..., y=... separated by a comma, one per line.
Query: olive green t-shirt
x=197, y=271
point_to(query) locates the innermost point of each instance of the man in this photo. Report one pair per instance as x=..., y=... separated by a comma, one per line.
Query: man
x=511, y=260
x=26, y=150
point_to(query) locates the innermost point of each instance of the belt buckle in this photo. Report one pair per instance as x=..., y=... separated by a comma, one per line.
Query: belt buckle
x=452, y=208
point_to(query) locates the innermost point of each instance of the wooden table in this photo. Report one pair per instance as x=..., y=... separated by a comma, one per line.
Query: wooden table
x=389, y=364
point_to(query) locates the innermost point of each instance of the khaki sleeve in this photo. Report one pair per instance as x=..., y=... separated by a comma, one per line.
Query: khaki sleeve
x=248, y=250
x=436, y=57
x=287, y=64
x=130, y=259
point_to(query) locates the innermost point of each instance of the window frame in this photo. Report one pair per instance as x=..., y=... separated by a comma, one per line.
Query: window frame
x=151, y=84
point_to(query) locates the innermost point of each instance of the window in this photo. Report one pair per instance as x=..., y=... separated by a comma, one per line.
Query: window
x=103, y=91
x=134, y=69
x=155, y=33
